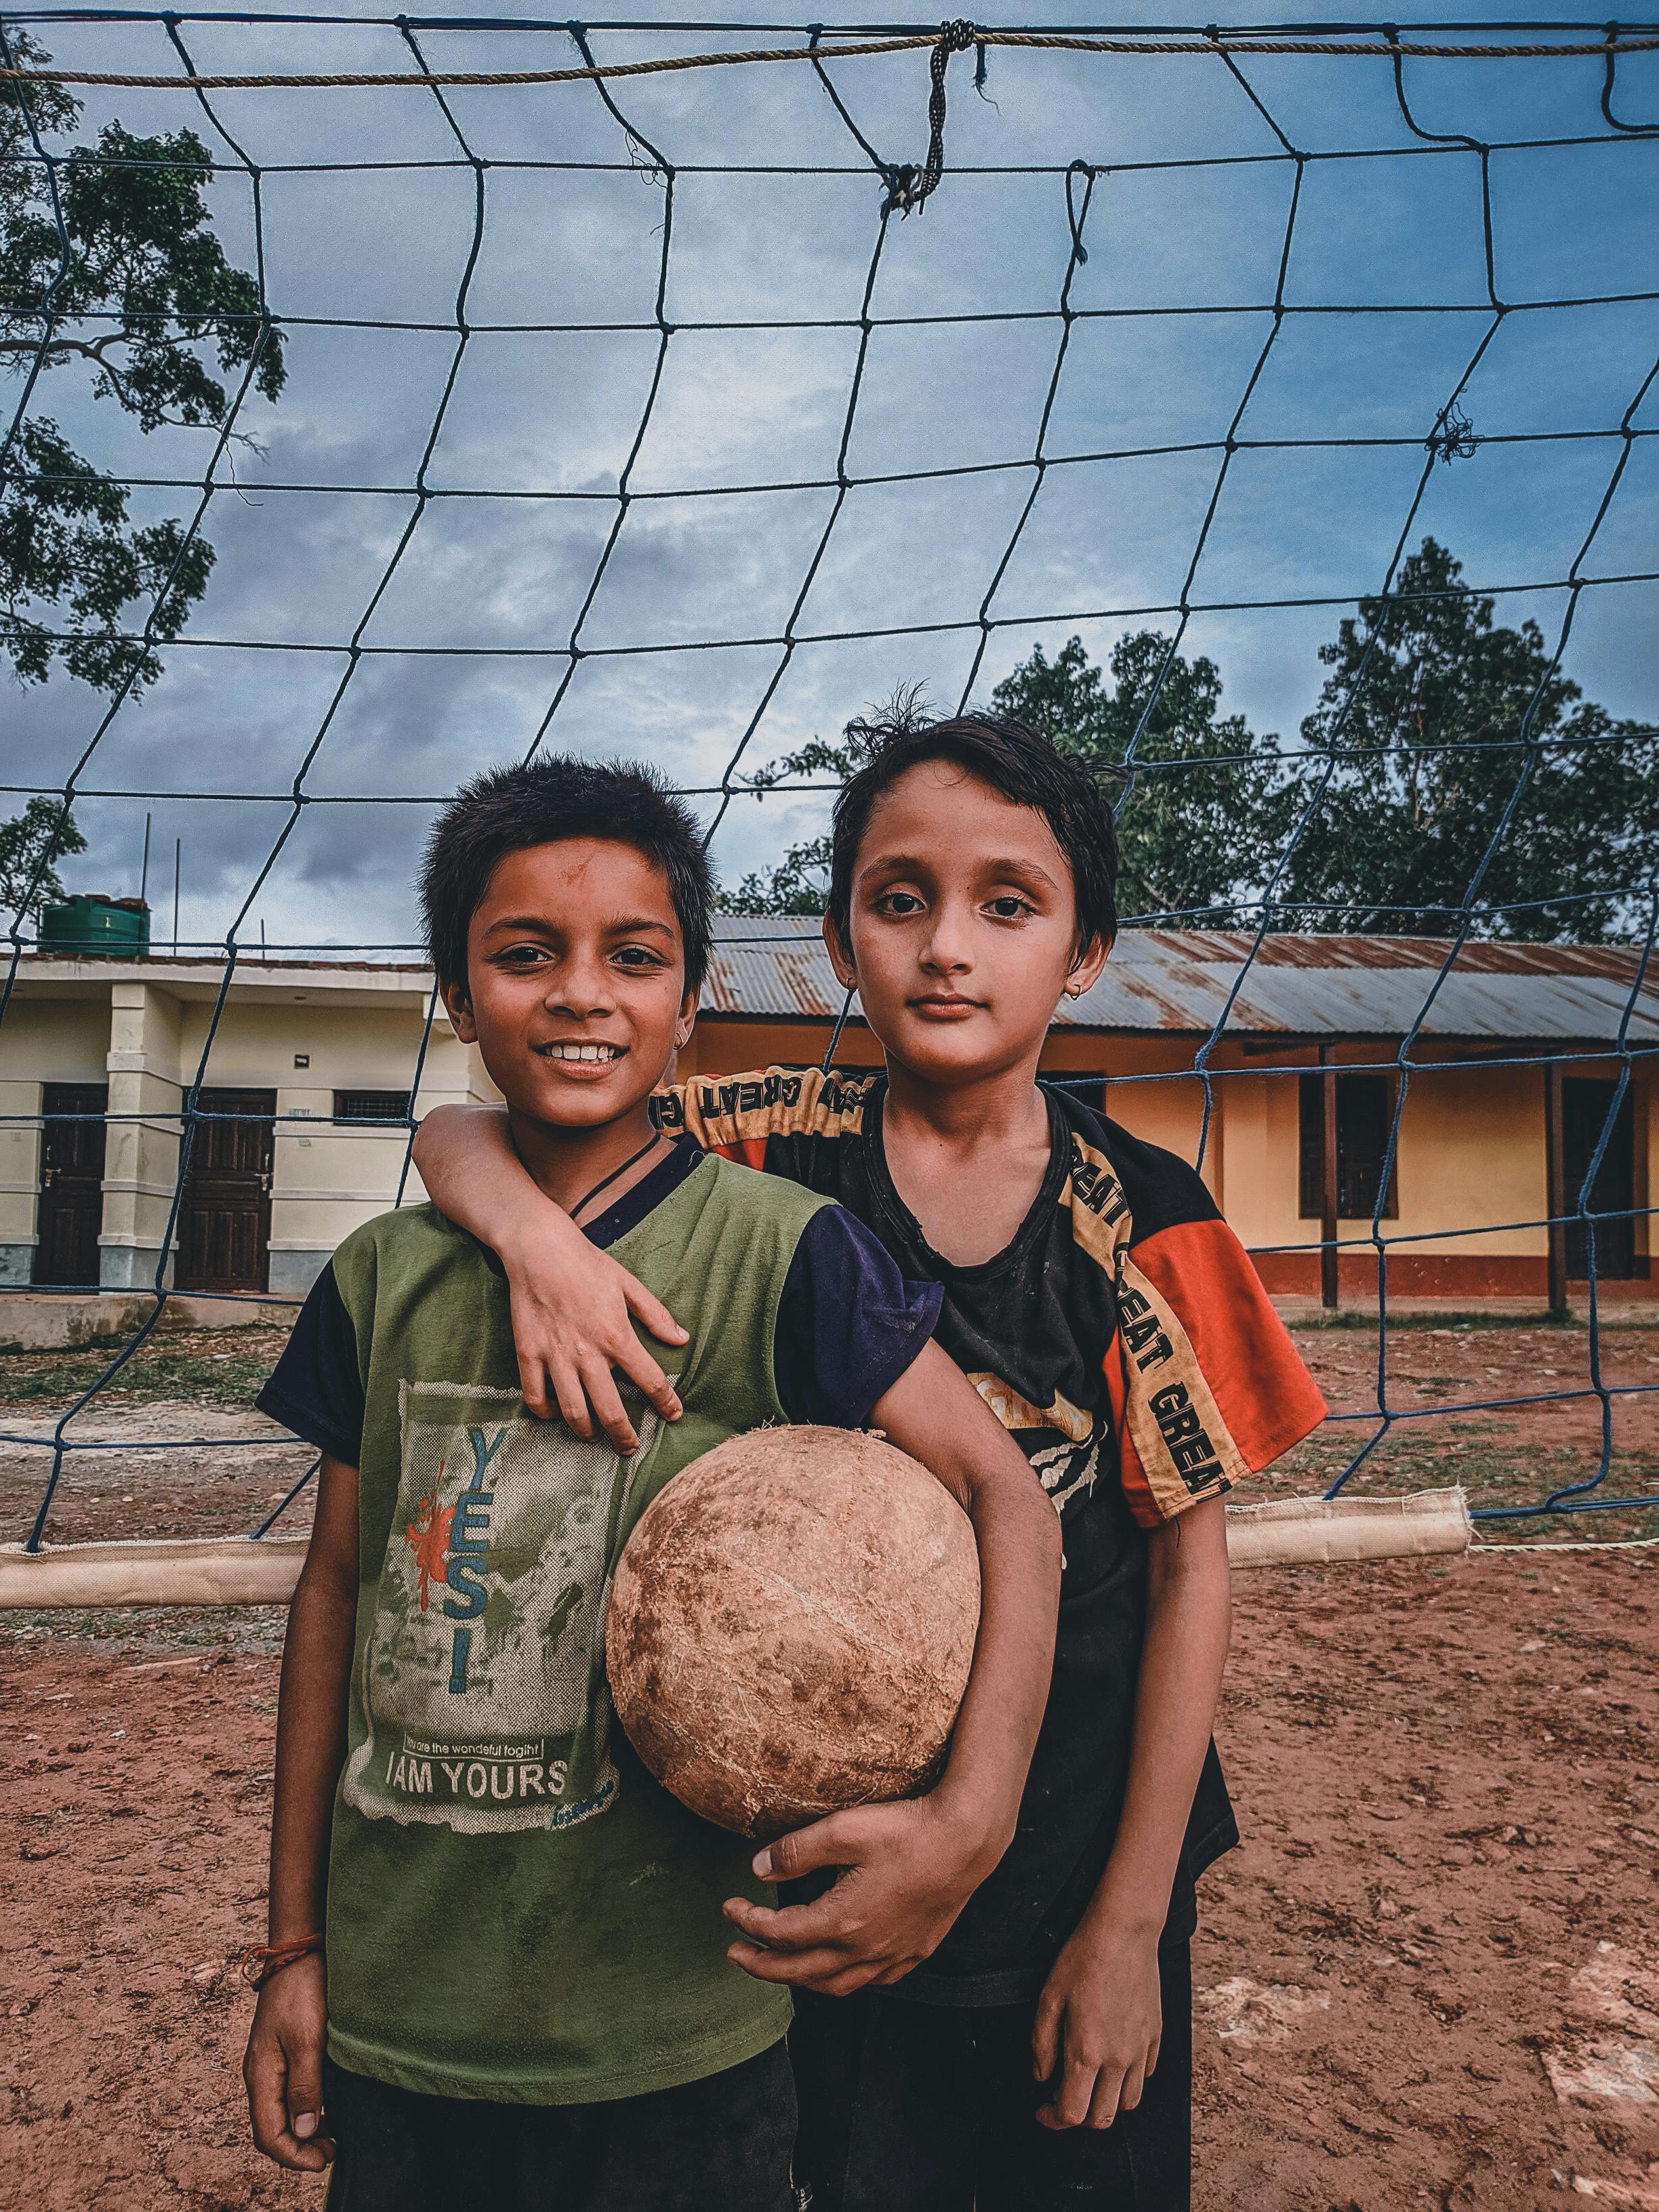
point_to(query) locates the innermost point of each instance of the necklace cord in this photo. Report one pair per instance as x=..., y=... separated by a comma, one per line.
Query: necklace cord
x=605, y=1182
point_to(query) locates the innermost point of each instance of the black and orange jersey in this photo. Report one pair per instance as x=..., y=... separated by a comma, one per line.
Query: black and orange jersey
x=1125, y=1339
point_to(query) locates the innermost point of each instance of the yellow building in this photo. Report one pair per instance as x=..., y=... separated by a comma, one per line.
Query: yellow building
x=311, y=1067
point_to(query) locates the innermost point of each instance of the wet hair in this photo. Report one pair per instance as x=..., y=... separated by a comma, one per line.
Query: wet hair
x=1018, y=761
x=508, y=809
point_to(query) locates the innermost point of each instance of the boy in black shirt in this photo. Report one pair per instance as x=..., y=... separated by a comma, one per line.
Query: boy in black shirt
x=1109, y=1316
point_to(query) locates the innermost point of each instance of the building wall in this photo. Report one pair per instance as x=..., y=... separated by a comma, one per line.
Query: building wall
x=20, y=1180
x=1471, y=1177
x=1470, y=1158
x=329, y=1181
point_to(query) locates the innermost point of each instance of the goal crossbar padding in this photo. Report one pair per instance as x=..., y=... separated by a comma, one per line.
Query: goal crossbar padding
x=166, y=1570
x=244, y=1571
x=1289, y=1532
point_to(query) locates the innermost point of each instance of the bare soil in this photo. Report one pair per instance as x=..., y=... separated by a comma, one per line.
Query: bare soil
x=171, y=1446
x=1430, y=1977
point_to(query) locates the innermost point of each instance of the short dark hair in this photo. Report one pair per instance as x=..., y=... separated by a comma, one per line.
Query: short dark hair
x=507, y=809
x=1014, y=758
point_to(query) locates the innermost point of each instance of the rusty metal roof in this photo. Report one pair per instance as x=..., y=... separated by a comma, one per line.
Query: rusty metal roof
x=1177, y=981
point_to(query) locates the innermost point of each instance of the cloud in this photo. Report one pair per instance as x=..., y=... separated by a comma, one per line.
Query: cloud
x=721, y=397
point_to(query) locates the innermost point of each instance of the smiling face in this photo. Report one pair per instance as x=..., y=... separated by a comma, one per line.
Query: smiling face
x=575, y=981
x=963, y=926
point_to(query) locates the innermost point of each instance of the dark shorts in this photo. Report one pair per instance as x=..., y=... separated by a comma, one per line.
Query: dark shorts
x=724, y=2141
x=908, y=2107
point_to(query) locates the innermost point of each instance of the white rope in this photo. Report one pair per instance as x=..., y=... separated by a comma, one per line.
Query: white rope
x=1615, y=1543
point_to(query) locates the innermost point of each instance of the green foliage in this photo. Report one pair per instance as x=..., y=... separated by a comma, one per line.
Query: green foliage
x=1193, y=839
x=45, y=832
x=66, y=544
x=799, y=882
x=1426, y=761
x=134, y=288
x=1427, y=728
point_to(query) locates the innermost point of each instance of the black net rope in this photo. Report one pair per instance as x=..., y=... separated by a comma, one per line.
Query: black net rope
x=900, y=188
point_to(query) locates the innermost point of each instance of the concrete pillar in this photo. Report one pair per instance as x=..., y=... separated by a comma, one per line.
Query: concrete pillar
x=300, y=1242
x=20, y=1180
x=141, y=1165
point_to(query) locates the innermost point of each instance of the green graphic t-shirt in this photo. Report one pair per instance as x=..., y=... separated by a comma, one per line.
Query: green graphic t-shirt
x=517, y=1910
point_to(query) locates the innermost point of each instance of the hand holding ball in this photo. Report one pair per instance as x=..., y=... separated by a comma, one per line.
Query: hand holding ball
x=791, y=1628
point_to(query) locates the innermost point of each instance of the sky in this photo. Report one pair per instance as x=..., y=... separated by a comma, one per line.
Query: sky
x=368, y=204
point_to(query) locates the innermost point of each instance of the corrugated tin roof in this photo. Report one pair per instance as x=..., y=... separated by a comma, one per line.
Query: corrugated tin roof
x=1178, y=981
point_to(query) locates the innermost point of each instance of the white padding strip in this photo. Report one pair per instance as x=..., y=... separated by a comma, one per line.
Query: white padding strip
x=1289, y=1532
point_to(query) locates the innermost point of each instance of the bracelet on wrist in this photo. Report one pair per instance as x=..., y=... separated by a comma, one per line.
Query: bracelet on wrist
x=261, y=1961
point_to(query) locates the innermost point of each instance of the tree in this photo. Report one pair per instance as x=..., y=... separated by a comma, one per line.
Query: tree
x=1206, y=806
x=1194, y=838
x=1436, y=728
x=799, y=882
x=1433, y=721
x=45, y=832
x=132, y=285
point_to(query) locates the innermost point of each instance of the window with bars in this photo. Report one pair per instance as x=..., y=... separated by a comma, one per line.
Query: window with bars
x=371, y=1106
x=1365, y=1113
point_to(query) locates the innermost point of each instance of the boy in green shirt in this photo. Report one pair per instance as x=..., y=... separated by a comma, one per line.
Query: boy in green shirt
x=496, y=1973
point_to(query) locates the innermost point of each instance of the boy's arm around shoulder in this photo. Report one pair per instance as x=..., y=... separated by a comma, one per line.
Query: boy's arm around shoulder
x=572, y=1307
x=911, y=1867
x=282, y=2069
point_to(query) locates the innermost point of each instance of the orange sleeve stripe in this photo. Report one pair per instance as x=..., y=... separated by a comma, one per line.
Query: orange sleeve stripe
x=1138, y=1491
x=1267, y=1397
x=1131, y=1476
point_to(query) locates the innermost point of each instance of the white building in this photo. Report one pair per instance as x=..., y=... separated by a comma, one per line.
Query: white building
x=86, y=1201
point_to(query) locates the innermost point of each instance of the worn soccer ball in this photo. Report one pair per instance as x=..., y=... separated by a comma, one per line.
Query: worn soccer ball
x=791, y=1627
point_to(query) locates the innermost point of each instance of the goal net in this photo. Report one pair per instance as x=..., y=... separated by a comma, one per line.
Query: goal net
x=1270, y=412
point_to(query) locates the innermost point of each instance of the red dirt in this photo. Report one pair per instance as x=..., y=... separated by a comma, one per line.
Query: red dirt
x=1430, y=1978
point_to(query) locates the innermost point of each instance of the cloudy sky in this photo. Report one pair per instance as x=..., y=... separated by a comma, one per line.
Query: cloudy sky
x=368, y=204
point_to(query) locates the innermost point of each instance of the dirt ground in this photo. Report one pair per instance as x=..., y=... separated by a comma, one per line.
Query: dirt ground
x=1430, y=1977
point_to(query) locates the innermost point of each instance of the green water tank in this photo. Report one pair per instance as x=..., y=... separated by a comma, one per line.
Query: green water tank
x=91, y=923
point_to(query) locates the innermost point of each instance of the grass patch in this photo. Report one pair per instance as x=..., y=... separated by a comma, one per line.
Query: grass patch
x=192, y=1364
x=1495, y=1467
x=202, y=1629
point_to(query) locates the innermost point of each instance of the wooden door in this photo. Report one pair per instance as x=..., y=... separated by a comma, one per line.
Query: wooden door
x=1584, y=1103
x=71, y=1185
x=224, y=1228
